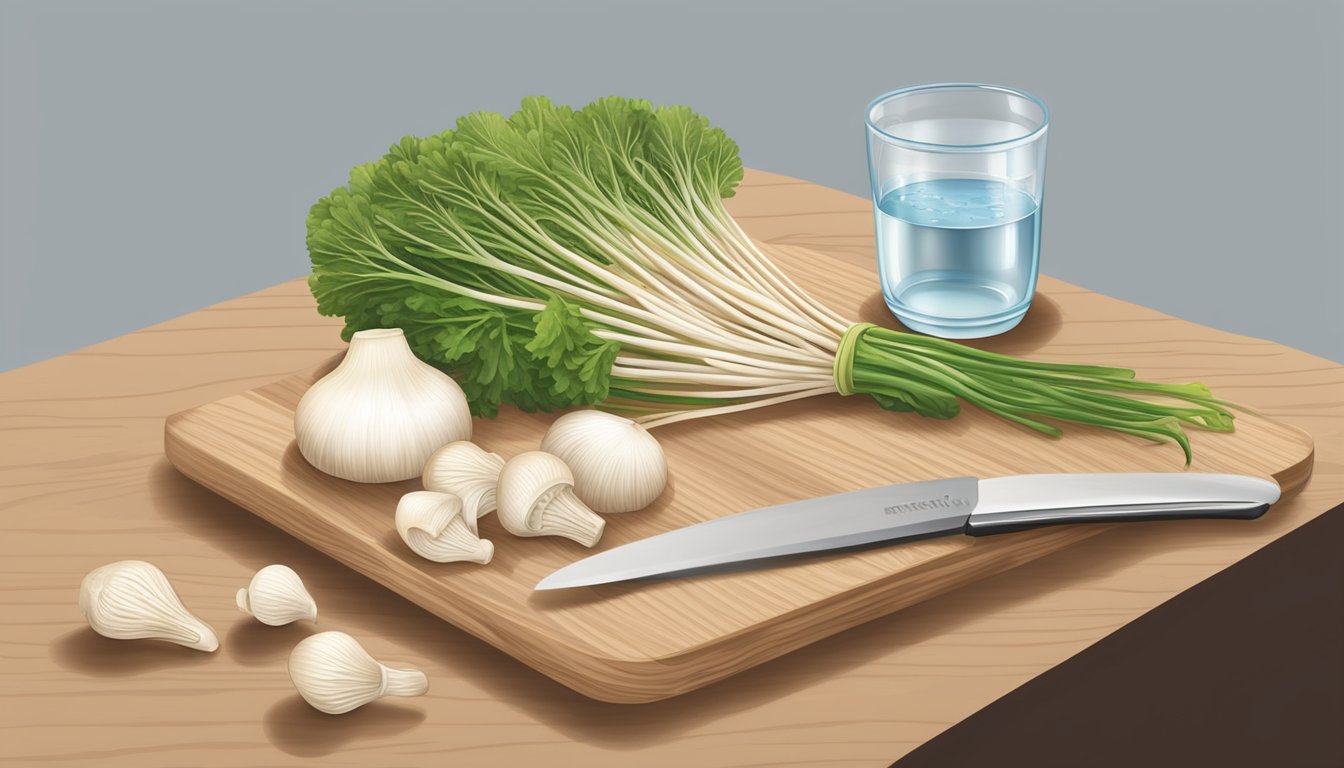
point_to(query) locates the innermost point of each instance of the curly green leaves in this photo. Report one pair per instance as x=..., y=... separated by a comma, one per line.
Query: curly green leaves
x=467, y=239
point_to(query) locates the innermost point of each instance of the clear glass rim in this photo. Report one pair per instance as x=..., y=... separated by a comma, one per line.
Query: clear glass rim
x=1025, y=138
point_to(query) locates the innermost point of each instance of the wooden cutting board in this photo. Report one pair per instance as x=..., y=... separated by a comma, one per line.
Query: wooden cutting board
x=652, y=640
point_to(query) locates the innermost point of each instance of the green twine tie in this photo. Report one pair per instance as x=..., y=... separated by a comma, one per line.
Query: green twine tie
x=844, y=357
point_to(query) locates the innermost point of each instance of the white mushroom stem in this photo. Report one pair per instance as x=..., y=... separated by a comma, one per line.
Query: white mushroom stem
x=536, y=498
x=437, y=527
x=564, y=515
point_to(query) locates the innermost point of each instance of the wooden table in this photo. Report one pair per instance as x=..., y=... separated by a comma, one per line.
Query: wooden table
x=83, y=482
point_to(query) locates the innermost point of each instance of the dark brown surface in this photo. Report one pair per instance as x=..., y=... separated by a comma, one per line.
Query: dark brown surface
x=1244, y=669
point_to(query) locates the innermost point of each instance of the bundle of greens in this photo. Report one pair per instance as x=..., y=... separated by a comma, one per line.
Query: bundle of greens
x=562, y=257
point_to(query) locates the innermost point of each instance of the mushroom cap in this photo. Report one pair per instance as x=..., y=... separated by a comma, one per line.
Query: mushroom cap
x=618, y=466
x=526, y=480
x=466, y=470
x=436, y=526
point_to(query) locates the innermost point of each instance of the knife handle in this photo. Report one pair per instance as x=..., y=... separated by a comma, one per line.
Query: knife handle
x=1009, y=504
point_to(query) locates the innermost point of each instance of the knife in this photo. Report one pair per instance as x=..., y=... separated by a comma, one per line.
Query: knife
x=893, y=513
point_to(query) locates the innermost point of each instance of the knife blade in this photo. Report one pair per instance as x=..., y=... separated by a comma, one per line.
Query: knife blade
x=908, y=511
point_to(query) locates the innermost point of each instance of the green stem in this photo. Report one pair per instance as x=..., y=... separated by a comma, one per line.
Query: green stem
x=927, y=373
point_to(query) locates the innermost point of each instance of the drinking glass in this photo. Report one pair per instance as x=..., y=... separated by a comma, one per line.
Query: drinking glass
x=958, y=175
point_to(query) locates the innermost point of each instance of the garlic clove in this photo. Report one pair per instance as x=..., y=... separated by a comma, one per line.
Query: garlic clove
x=536, y=498
x=132, y=599
x=468, y=471
x=618, y=466
x=276, y=596
x=378, y=416
x=334, y=674
x=437, y=527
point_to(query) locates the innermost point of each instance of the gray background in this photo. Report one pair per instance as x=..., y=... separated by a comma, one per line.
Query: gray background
x=160, y=156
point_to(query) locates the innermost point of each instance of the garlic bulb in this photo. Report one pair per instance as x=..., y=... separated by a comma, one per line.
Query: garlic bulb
x=435, y=526
x=132, y=599
x=536, y=498
x=467, y=471
x=381, y=413
x=276, y=596
x=334, y=674
x=618, y=466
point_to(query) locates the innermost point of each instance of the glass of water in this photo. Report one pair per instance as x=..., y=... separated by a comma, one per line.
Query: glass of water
x=958, y=173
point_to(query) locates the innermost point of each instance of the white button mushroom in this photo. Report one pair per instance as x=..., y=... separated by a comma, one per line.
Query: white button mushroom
x=536, y=498
x=618, y=466
x=435, y=526
x=467, y=471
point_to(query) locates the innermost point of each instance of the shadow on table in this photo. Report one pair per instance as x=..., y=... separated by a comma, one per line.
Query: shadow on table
x=345, y=593
x=89, y=653
x=298, y=729
x=253, y=644
x=1041, y=324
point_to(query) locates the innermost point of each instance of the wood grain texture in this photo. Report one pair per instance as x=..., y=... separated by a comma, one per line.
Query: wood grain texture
x=641, y=642
x=83, y=482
